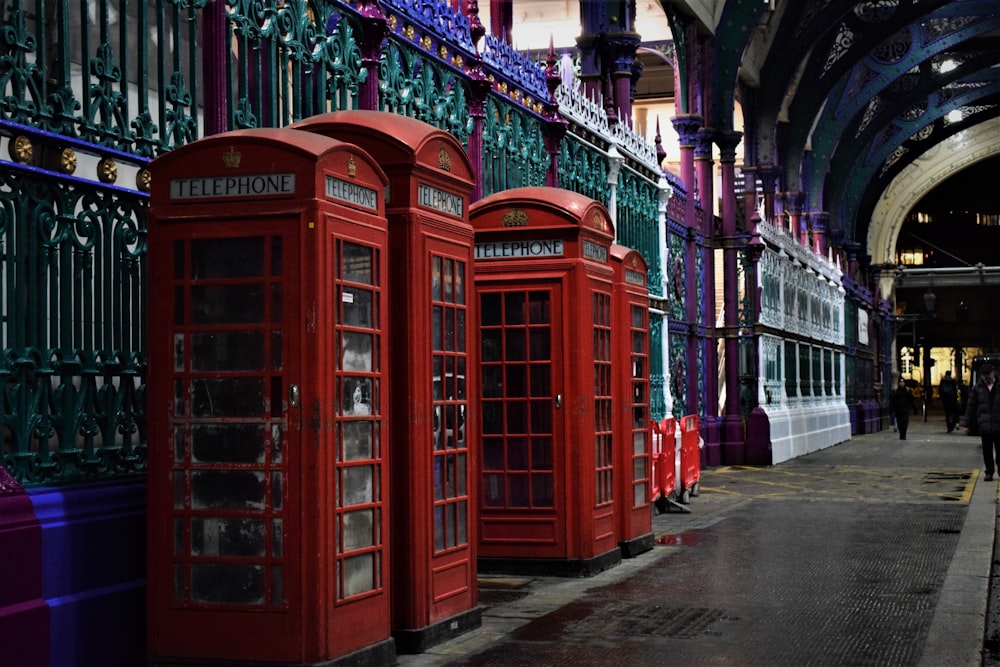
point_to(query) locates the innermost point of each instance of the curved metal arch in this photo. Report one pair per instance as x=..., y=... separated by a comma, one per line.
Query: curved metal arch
x=912, y=149
x=732, y=37
x=844, y=112
x=864, y=171
x=825, y=44
x=945, y=159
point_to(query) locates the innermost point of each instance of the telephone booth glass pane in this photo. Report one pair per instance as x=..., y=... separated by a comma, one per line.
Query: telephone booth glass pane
x=450, y=402
x=603, y=416
x=517, y=398
x=640, y=406
x=358, y=529
x=226, y=425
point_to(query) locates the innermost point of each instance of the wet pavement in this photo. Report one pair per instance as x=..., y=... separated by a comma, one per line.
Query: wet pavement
x=873, y=552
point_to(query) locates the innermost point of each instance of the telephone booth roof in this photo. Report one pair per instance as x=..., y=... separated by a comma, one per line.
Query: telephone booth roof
x=396, y=140
x=273, y=147
x=631, y=259
x=559, y=208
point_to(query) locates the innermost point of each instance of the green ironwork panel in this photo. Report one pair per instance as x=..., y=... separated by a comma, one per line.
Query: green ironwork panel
x=291, y=60
x=118, y=74
x=73, y=368
x=513, y=148
x=412, y=84
x=583, y=169
x=676, y=278
x=678, y=373
x=657, y=379
x=638, y=224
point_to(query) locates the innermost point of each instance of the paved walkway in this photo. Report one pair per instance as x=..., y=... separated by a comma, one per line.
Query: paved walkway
x=873, y=552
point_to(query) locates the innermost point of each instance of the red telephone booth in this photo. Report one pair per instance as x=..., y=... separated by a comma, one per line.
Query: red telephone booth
x=544, y=284
x=630, y=337
x=268, y=476
x=433, y=366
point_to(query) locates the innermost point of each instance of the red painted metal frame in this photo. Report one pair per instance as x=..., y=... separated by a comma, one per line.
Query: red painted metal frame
x=303, y=621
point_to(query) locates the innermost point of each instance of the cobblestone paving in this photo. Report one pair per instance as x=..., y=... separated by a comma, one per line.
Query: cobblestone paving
x=774, y=583
x=836, y=558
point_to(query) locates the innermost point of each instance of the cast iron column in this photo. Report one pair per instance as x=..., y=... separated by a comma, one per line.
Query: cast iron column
x=733, y=443
x=686, y=127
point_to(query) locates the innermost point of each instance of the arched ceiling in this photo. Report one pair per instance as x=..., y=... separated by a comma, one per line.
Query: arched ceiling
x=852, y=101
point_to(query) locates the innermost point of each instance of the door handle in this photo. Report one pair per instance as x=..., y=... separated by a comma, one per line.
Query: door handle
x=294, y=396
x=558, y=401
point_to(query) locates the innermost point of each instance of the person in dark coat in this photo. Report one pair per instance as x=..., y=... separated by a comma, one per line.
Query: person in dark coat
x=982, y=416
x=948, y=391
x=900, y=402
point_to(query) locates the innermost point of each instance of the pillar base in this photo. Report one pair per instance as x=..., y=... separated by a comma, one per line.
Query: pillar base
x=711, y=455
x=758, y=438
x=734, y=446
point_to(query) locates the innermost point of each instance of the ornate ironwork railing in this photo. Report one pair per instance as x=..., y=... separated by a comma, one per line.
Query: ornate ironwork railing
x=90, y=92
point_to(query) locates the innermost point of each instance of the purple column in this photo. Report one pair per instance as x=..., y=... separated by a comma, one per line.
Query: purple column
x=819, y=220
x=705, y=168
x=686, y=127
x=374, y=28
x=477, y=101
x=555, y=126
x=622, y=47
x=768, y=175
x=733, y=443
x=216, y=55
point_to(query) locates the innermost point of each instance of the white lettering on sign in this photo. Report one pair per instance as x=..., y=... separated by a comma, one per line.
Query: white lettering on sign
x=504, y=249
x=596, y=251
x=439, y=200
x=352, y=193
x=251, y=185
x=634, y=277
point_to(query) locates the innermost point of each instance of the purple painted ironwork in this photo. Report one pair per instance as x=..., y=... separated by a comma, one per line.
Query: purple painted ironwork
x=216, y=52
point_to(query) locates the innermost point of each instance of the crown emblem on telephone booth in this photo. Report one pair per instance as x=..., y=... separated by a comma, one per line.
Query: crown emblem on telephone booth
x=444, y=160
x=231, y=158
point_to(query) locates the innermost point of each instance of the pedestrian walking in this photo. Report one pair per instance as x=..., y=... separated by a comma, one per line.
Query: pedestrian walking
x=948, y=391
x=900, y=402
x=982, y=416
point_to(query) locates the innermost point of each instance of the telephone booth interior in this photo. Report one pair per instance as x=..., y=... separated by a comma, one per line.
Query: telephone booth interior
x=544, y=283
x=630, y=338
x=268, y=527
x=434, y=372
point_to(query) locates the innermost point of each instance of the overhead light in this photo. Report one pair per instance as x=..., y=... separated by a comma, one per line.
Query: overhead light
x=955, y=115
x=947, y=66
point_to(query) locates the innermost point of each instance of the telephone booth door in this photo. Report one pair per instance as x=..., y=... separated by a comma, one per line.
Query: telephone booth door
x=632, y=420
x=434, y=452
x=545, y=303
x=266, y=492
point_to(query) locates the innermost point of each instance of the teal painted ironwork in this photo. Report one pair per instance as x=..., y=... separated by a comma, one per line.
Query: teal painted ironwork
x=73, y=368
x=678, y=373
x=582, y=168
x=124, y=82
x=86, y=70
x=638, y=225
x=657, y=380
x=411, y=84
x=513, y=148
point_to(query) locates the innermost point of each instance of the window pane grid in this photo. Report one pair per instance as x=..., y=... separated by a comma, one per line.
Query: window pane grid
x=603, y=429
x=358, y=467
x=640, y=407
x=227, y=421
x=517, y=399
x=449, y=403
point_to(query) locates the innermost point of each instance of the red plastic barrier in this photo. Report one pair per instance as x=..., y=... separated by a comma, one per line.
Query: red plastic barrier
x=690, y=457
x=663, y=458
